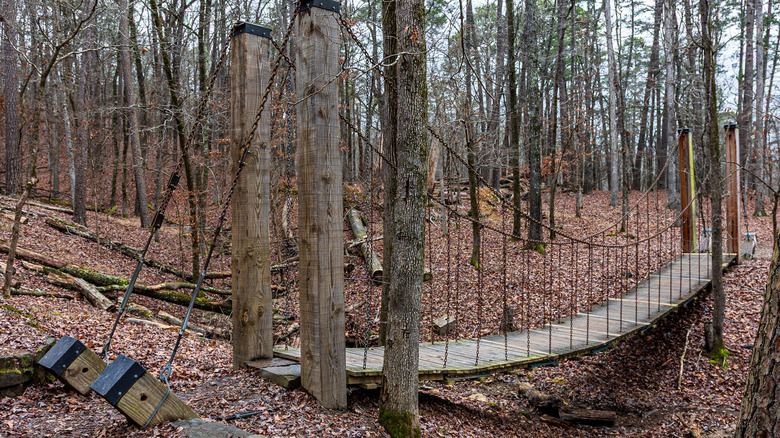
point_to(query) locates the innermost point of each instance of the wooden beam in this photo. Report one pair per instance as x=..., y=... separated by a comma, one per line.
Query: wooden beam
x=73, y=363
x=687, y=190
x=137, y=394
x=320, y=212
x=252, y=299
x=732, y=190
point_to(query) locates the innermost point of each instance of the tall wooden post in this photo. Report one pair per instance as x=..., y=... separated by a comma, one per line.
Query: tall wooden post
x=687, y=190
x=252, y=301
x=320, y=211
x=732, y=187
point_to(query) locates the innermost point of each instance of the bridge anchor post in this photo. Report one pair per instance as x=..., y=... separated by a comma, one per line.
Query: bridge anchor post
x=320, y=209
x=687, y=191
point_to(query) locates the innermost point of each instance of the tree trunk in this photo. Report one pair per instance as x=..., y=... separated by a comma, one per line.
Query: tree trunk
x=9, y=265
x=667, y=123
x=713, y=142
x=172, y=80
x=389, y=128
x=614, y=164
x=650, y=84
x=759, y=416
x=530, y=44
x=13, y=159
x=399, y=411
x=513, y=118
x=132, y=113
x=745, y=118
x=467, y=46
x=760, y=133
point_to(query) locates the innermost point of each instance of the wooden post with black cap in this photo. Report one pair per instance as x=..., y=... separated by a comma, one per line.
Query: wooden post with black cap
x=251, y=259
x=320, y=211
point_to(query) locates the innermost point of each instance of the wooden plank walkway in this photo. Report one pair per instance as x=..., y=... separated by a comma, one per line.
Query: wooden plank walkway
x=672, y=286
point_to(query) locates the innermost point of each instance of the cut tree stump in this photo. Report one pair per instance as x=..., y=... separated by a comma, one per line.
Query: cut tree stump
x=592, y=417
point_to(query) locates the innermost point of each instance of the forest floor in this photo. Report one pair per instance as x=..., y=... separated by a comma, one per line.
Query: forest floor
x=637, y=378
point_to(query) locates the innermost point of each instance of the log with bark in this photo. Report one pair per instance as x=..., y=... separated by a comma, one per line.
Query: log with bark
x=290, y=242
x=93, y=295
x=592, y=417
x=369, y=255
x=205, y=332
x=33, y=256
x=122, y=248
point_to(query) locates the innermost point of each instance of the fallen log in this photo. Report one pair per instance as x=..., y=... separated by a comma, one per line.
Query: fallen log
x=36, y=293
x=369, y=255
x=289, y=239
x=93, y=295
x=122, y=248
x=159, y=325
x=592, y=417
x=291, y=330
x=209, y=333
x=33, y=256
x=223, y=306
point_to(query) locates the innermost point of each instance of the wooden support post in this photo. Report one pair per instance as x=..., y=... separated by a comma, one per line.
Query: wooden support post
x=136, y=393
x=732, y=190
x=320, y=211
x=251, y=263
x=687, y=191
x=73, y=363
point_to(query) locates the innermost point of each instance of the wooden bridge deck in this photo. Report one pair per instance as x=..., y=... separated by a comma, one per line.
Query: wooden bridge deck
x=584, y=333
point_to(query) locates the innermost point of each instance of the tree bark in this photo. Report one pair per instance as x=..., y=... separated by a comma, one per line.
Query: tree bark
x=399, y=411
x=614, y=163
x=759, y=416
x=530, y=46
x=667, y=122
x=712, y=140
x=389, y=125
x=513, y=118
x=13, y=163
x=760, y=133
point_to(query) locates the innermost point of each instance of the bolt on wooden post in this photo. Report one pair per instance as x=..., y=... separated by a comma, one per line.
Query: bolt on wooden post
x=252, y=300
x=732, y=189
x=687, y=190
x=320, y=210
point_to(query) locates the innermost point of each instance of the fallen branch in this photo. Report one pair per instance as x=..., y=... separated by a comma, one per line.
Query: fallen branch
x=682, y=358
x=35, y=293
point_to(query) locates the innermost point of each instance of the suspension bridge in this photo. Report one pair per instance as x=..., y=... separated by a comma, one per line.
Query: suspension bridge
x=530, y=302
x=587, y=332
